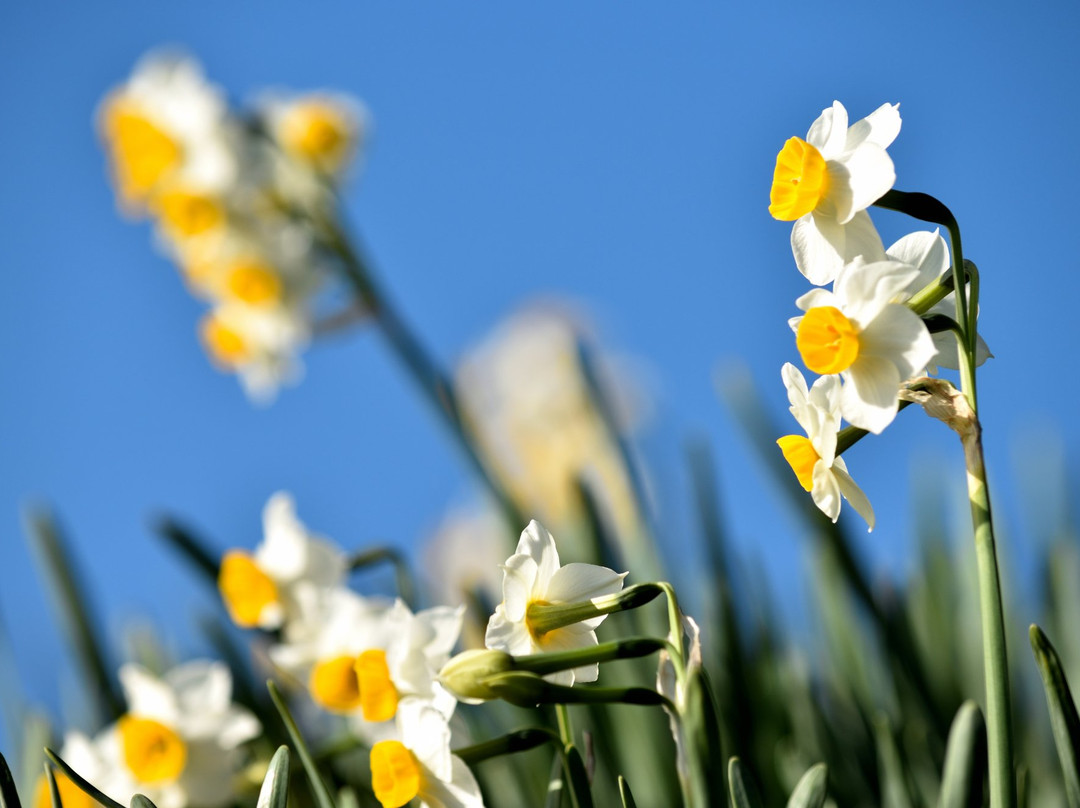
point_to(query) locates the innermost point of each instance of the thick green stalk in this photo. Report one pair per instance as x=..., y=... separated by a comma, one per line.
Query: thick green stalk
x=995, y=656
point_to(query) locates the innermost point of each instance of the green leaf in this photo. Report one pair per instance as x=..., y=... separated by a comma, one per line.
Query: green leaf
x=743, y=793
x=318, y=786
x=894, y=787
x=81, y=782
x=578, y=777
x=54, y=791
x=191, y=546
x=812, y=788
x=275, y=787
x=9, y=797
x=75, y=614
x=965, y=760
x=701, y=727
x=141, y=801
x=625, y=794
x=1063, y=718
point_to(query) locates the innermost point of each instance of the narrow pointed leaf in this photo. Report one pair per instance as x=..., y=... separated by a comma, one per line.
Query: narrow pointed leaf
x=701, y=724
x=965, y=760
x=812, y=788
x=75, y=614
x=81, y=782
x=743, y=793
x=1063, y=718
x=54, y=791
x=577, y=778
x=275, y=787
x=141, y=801
x=556, y=788
x=625, y=794
x=191, y=546
x=318, y=786
x=9, y=797
x=894, y=788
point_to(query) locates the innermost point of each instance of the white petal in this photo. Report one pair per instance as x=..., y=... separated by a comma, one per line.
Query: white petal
x=925, y=251
x=866, y=289
x=539, y=544
x=815, y=298
x=828, y=133
x=825, y=491
x=506, y=635
x=283, y=552
x=571, y=638
x=852, y=493
x=870, y=174
x=520, y=573
x=900, y=336
x=821, y=245
x=148, y=696
x=427, y=734
x=880, y=127
x=201, y=686
x=869, y=398
x=580, y=582
x=236, y=727
x=462, y=790
x=795, y=383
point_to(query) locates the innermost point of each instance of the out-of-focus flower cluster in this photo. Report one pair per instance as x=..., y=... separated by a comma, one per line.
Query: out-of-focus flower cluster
x=861, y=336
x=236, y=200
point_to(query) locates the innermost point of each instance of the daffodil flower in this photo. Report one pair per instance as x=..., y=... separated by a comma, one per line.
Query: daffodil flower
x=860, y=332
x=533, y=577
x=259, y=589
x=319, y=130
x=166, y=126
x=363, y=658
x=178, y=743
x=825, y=183
x=418, y=764
x=813, y=458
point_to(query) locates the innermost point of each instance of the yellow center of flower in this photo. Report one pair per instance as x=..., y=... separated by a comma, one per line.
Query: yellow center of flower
x=334, y=684
x=245, y=588
x=142, y=153
x=378, y=696
x=827, y=340
x=153, y=752
x=186, y=214
x=395, y=774
x=71, y=796
x=225, y=344
x=799, y=452
x=253, y=282
x=800, y=181
x=316, y=132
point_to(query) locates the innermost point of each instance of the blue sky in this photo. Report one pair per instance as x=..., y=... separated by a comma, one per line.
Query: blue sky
x=615, y=155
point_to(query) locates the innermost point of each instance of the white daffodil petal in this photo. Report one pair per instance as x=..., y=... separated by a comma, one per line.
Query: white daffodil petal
x=148, y=696
x=826, y=492
x=580, y=582
x=924, y=250
x=201, y=685
x=520, y=573
x=816, y=298
x=822, y=246
x=899, y=335
x=828, y=133
x=880, y=127
x=539, y=544
x=511, y=636
x=866, y=289
x=869, y=396
x=852, y=493
x=870, y=174
x=571, y=638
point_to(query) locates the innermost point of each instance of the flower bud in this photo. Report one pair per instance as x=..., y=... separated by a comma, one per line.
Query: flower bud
x=467, y=676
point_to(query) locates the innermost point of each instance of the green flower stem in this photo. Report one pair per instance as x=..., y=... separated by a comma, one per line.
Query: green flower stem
x=995, y=657
x=521, y=740
x=527, y=690
x=427, y=374
x=403, y=577
x=545, y=617
x=566, y=729
x=629, y=648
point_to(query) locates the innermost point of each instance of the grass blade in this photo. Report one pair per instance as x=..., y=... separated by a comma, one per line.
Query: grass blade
x=75, y=614
x=141, y=801
x=812, y=788
x=275, y=787
x=81, y=782
x=318, y=786
x=743, y=793
x=625, y=794
x=965, y=760
x=191, y=546
x=1063, y=718
x=9, y=797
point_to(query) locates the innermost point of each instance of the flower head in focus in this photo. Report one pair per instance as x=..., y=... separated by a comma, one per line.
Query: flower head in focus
x=860, y=332
x=825, y=183
x=813, y=458
x=533, y=577
x=261, y=589
x=167, y=126
x=418, y=764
